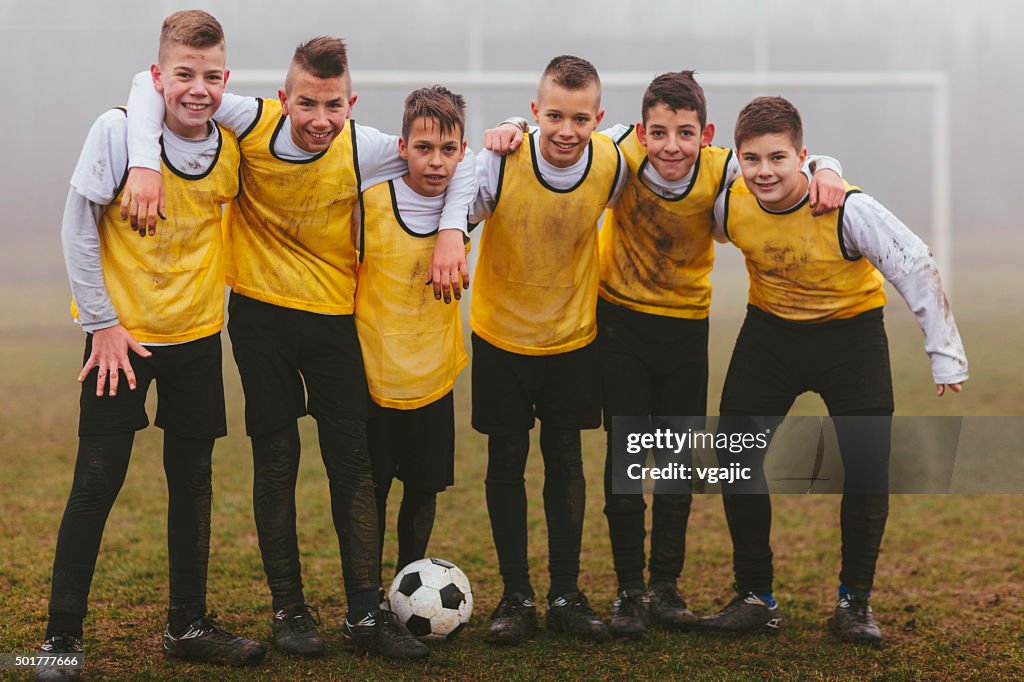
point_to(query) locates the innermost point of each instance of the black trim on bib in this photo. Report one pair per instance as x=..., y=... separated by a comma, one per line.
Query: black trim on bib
x=501, y=178
x=213, y=164
x=273, y=139
x=792, y=209
x=725, y=212
x=625, y=134
x=398, y=216
x=586, y=171
x=259, y=114
x=839, y=227
x=124, y=176
x=725, y=174
x=684, y=194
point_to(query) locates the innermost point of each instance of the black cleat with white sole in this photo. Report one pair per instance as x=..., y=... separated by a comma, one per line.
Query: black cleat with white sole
x=745, y=614
x=379, y=632
x=204, y=642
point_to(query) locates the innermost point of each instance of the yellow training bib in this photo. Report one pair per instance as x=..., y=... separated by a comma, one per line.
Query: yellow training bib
x=535, y=291
x=169, y=288
x=797, y=263
x=289, y=232
x=412, y=344
x=657, y=253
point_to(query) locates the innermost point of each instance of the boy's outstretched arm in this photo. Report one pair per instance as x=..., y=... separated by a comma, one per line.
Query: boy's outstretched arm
x=506, y=136
x=143, y=199
x=379, y=161
x=826, y=191
x=449, y=272
x=870, y=230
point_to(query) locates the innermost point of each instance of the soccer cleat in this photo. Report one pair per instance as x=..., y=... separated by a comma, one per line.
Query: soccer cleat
x=514, y=621
x=854, y=622
x=294, y=631
x=630, y=614
x=571, y=614
x=59, y=645
x=379, y=632
x=668, y=608
x=746, y=613
x=204, y=642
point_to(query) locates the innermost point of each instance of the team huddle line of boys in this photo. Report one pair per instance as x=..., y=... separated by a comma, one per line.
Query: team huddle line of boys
x=315, y=204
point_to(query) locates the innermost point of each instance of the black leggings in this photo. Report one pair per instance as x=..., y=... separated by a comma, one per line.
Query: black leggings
x=353, y=507
x=626, y=525
x=415, y=521
x=865, y=454
x=564, y=501
x=99, y=473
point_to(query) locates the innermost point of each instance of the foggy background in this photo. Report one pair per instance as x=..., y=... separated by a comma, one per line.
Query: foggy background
x=66, y=62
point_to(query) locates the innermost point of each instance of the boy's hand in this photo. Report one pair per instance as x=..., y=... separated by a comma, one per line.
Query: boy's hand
x=827, y=191
x=448, y=270
x=110, y=353
x=940, y=389
x=504, y=139
x=143, y=200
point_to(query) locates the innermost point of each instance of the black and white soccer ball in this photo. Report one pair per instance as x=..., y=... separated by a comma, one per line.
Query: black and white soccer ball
x=432, y=598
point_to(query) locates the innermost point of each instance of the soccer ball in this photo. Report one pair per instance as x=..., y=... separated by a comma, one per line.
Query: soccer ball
x=432, y=598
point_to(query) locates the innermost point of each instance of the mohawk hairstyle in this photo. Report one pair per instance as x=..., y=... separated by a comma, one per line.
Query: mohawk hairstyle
x=439, y=104
x=767, y=116
x=323, y=57
x=676, y=90
x=192, y=28
x=572, y=73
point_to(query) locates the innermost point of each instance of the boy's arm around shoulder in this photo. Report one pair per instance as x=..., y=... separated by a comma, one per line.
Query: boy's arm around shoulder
x=870, y=230
x=449, y=271
x=143, y=199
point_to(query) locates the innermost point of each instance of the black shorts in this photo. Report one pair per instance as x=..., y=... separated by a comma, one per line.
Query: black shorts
x=511, y=390
x=278, y=348
x=417, y=446
x=651, y=364
x=775, y=360
x=189, y=388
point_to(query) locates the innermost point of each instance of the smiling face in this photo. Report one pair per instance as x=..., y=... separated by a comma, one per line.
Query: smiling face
x=566, y=118
x=317, y=107
x=192, y=80
x=673, y=139
x=432, y=156
x=771, y=167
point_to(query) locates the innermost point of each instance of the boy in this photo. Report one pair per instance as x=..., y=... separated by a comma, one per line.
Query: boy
x=291, y=266
x=412, y=347
x=814, y=322
x=117, y=282
x=654, y=296
x=533, y=321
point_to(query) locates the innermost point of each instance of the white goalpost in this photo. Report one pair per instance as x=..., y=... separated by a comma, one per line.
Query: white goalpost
x=935, y=83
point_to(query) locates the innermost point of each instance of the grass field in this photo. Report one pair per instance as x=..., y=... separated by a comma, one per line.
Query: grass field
x=948, y=591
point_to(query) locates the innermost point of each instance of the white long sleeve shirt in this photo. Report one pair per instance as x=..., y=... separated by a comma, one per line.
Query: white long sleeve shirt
x=872, y=231
x=378, y=157
x=99, y=173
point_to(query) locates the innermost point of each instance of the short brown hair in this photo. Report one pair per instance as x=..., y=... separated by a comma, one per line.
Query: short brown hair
x=767, y=116
x=323, y=57
x=572, y=73
x=676, y=90
x=192, y=28
x=439, y=104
